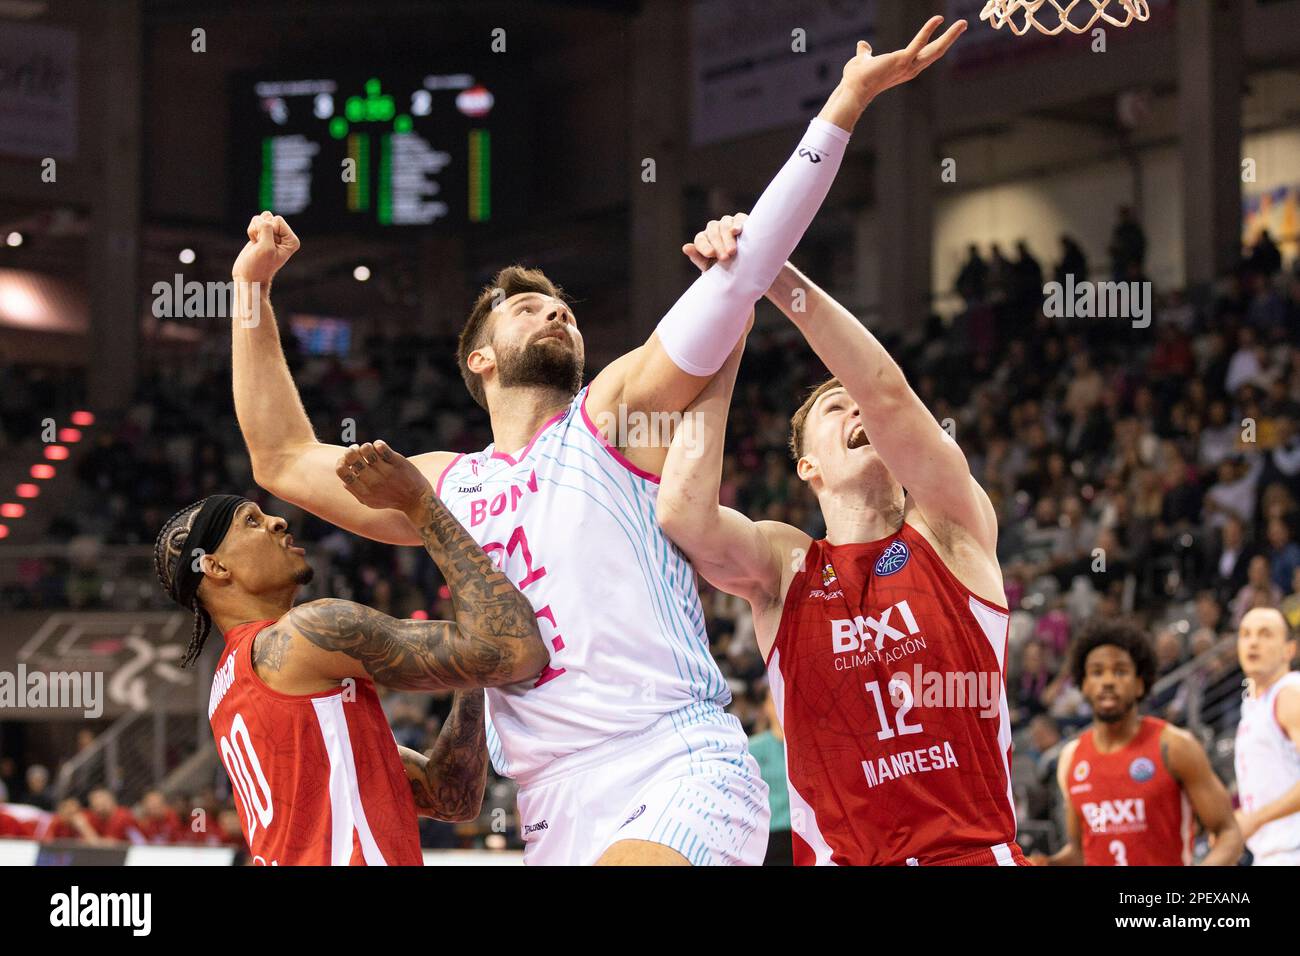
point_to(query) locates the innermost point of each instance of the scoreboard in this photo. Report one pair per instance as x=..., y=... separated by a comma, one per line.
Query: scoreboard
x=376, y=150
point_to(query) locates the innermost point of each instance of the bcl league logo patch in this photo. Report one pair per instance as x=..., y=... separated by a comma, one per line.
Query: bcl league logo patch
x=893, y=559
x=1142, y=769
x=1081, y=771
x=828, y=576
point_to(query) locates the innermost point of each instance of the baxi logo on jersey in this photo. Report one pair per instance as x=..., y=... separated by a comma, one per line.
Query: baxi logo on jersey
x=1142, y=769
x=867, y=633
x=1116, y=816
x=893, y=559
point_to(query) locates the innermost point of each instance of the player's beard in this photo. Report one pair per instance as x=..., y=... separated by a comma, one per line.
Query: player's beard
x=305, y=575
x=540, y=364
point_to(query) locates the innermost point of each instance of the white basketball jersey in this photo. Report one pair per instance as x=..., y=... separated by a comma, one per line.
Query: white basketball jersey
x=572, y=524
x=1268, y=765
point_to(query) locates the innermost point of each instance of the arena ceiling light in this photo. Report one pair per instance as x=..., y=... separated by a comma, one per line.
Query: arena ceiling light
x=27, y=490
x=11, y=509
x=56, y=453
x=70, y=435
x=14, y=240
x=42, y=472
x=83, y=418
x=361, y=273
x=187, y=256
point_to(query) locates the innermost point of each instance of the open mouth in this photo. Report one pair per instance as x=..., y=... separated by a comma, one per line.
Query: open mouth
x=857, y=438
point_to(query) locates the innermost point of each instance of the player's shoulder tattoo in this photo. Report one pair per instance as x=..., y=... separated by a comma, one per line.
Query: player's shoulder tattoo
x=271, y=647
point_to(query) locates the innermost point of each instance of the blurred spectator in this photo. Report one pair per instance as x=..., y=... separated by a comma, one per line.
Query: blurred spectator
x=1265, y=258
x=1032, y=679
x=972, y=281
x=37, y=792
x=1259, y=591
x=1073, y=262
x=1283, y=554
x=1169, y=657
x=110, y=822
x=1128, y=246
x=156, y=821
x=1291, y=603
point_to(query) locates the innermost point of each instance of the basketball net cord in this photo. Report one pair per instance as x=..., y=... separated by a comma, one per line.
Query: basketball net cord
x=999, y=12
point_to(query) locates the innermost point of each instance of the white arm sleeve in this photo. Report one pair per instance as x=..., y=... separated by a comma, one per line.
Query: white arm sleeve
x=704, y=325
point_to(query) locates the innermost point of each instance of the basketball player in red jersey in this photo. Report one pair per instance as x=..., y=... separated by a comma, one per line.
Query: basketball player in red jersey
x=317, y=775
x=1131, y=783
x=886, y=641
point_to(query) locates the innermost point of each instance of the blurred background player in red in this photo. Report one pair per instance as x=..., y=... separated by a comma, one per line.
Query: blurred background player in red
x=1132, y=783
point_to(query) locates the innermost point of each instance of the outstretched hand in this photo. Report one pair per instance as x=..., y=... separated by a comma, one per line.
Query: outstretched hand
x=870, y=74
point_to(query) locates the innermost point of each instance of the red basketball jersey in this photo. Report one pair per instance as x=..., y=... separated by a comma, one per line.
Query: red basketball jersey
x=317, y=778
x=1132, y=812
x=888, y=674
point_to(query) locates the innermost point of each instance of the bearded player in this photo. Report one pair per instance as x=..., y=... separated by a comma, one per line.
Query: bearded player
x=886, y=640
x=1133, y=785
x=316, y=773
x=1266, y=756
x=622, y=750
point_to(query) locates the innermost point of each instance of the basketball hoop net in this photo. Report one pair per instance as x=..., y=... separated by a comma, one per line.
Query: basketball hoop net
x=999, y=12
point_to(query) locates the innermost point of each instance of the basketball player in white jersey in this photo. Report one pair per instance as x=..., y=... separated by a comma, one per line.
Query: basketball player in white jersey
x=1268, y=763
x=622, y=750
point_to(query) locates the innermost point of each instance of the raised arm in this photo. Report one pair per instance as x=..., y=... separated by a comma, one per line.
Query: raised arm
x=733, y=553
x=287, y=459
x=448, y=782
x=1186, y=760
x=699, y=332
x=921, y=456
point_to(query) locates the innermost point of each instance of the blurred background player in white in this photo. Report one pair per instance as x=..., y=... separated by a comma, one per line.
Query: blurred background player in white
x=621, y=749
x=1268, y=764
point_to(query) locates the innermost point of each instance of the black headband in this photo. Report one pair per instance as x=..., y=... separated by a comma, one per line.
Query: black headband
x=206, y=533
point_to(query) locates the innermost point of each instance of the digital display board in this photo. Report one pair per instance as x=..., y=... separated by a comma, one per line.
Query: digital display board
x=379, y=150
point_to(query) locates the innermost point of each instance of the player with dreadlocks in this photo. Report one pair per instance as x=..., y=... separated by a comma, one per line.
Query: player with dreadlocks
x=317, y=776
x=1132, y=785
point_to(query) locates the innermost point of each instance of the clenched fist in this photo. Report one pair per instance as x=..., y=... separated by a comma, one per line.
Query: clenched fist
x=270, y=245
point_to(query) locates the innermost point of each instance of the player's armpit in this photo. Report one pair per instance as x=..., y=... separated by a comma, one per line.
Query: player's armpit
x=357, y=641
x=736, y=555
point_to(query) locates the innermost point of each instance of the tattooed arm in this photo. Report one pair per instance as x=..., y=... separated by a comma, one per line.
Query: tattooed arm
x=494, y=638
x=448, y=782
